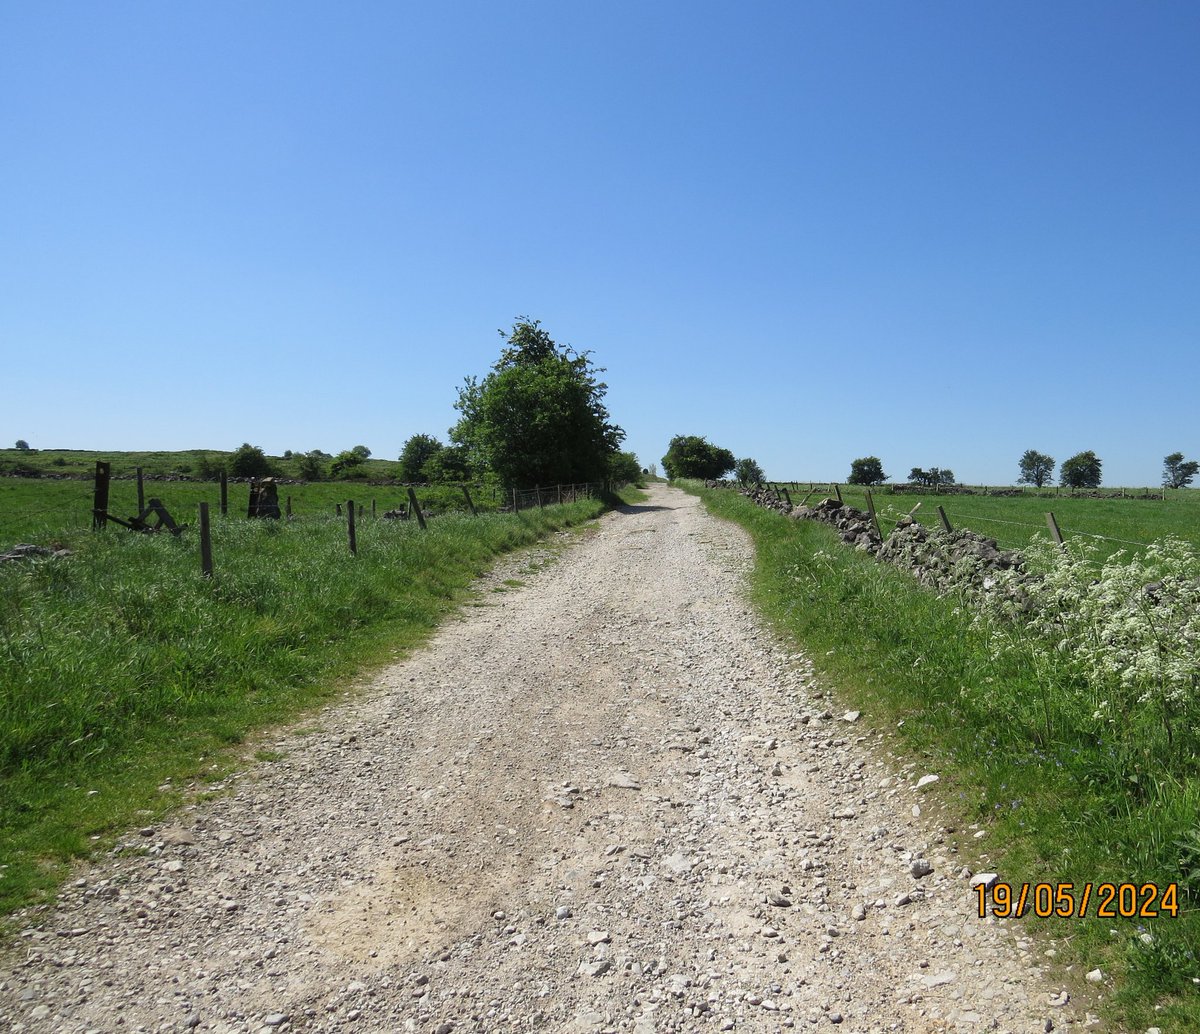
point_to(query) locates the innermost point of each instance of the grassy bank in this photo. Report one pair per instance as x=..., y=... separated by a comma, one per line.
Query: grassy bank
x=124, y=671
x=1065, y=794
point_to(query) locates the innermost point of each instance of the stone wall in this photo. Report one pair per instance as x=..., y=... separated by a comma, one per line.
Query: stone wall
x=956, y=560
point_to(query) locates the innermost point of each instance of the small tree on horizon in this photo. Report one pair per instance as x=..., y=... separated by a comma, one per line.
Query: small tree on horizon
x=748, y=472
x=311, y=465
x=1037, y=468
x=1178, y=472
x=867, y=470
x=933, y=478
x=1081, y=471
x=249, y=461
x=22, y=445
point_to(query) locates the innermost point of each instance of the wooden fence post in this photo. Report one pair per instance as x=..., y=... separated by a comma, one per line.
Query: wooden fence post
x=141, y=492
x=1052, y=524
x=945, y=519
x=787, y=495
x=416, y=507
x=470, y=504
x=224, y=495
x=206, y=564
x=537, y=494
x=351, y=528
x=874, y=516
x=372, y=509
x=516, y=500
x=100, y=496
x=838, y=493
x=289, y=506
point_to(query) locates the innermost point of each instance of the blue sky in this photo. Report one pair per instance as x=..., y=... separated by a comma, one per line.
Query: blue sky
x=939, y=233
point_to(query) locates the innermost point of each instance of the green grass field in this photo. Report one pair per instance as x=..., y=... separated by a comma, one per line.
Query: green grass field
x=41, y=510
x=1110, y=524
x=1026, y=750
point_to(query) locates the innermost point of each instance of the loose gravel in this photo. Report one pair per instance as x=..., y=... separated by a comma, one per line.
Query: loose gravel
x=603, y=800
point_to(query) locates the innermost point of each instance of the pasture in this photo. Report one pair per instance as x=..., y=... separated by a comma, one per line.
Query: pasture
x=43, y=510
x=1109, y=524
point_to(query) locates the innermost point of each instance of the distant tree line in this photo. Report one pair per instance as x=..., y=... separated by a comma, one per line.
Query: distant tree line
x=1083, y=470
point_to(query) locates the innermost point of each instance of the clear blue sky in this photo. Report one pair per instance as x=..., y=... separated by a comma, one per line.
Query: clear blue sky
x=939, y=233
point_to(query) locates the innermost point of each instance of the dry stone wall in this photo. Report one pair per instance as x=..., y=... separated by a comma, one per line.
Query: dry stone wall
x=956, y=560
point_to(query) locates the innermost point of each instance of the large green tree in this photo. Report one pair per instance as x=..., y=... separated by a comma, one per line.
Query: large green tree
x=415, y=457
x=1036, y=468
x=1178, y=472
x=867, y=470
x=1081, y=471
x=693, y=456
x=538, y=418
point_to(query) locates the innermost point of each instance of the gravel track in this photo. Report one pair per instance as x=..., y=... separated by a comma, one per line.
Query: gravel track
x=605, y=800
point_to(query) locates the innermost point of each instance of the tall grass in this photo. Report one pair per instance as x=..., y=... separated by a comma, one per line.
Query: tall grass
x=121, y=667
x=1017, y=744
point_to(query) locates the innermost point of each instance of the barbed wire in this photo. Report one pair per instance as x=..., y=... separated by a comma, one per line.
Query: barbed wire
x=970, y=518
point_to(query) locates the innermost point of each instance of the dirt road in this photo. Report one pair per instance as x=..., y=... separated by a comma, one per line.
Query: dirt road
x=603, y=800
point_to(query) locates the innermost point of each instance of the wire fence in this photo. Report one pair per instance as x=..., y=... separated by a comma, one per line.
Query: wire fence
x=959, y=519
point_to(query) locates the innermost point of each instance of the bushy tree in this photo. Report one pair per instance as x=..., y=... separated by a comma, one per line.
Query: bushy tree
x=1036, y=468
x=415, y=457
x=311, y=465
x=1081, y=471
x=210, y=469
x=748, y=472
x=249, y=461
x=22, y=445
x=450, y=463
x=346, y=464
x=538, y=418
x=1178, y=472
x=362, y=452
x=691, y=456
x=867, y=471
x=624, y=469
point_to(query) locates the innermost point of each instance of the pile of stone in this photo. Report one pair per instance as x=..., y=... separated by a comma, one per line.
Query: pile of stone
x=767, y=498
x=954, y=560
x=28, y=551
x=856, y=527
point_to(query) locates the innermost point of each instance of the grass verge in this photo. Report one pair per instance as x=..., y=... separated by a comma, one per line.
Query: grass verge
x=127, y=675
x=1015, y=755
